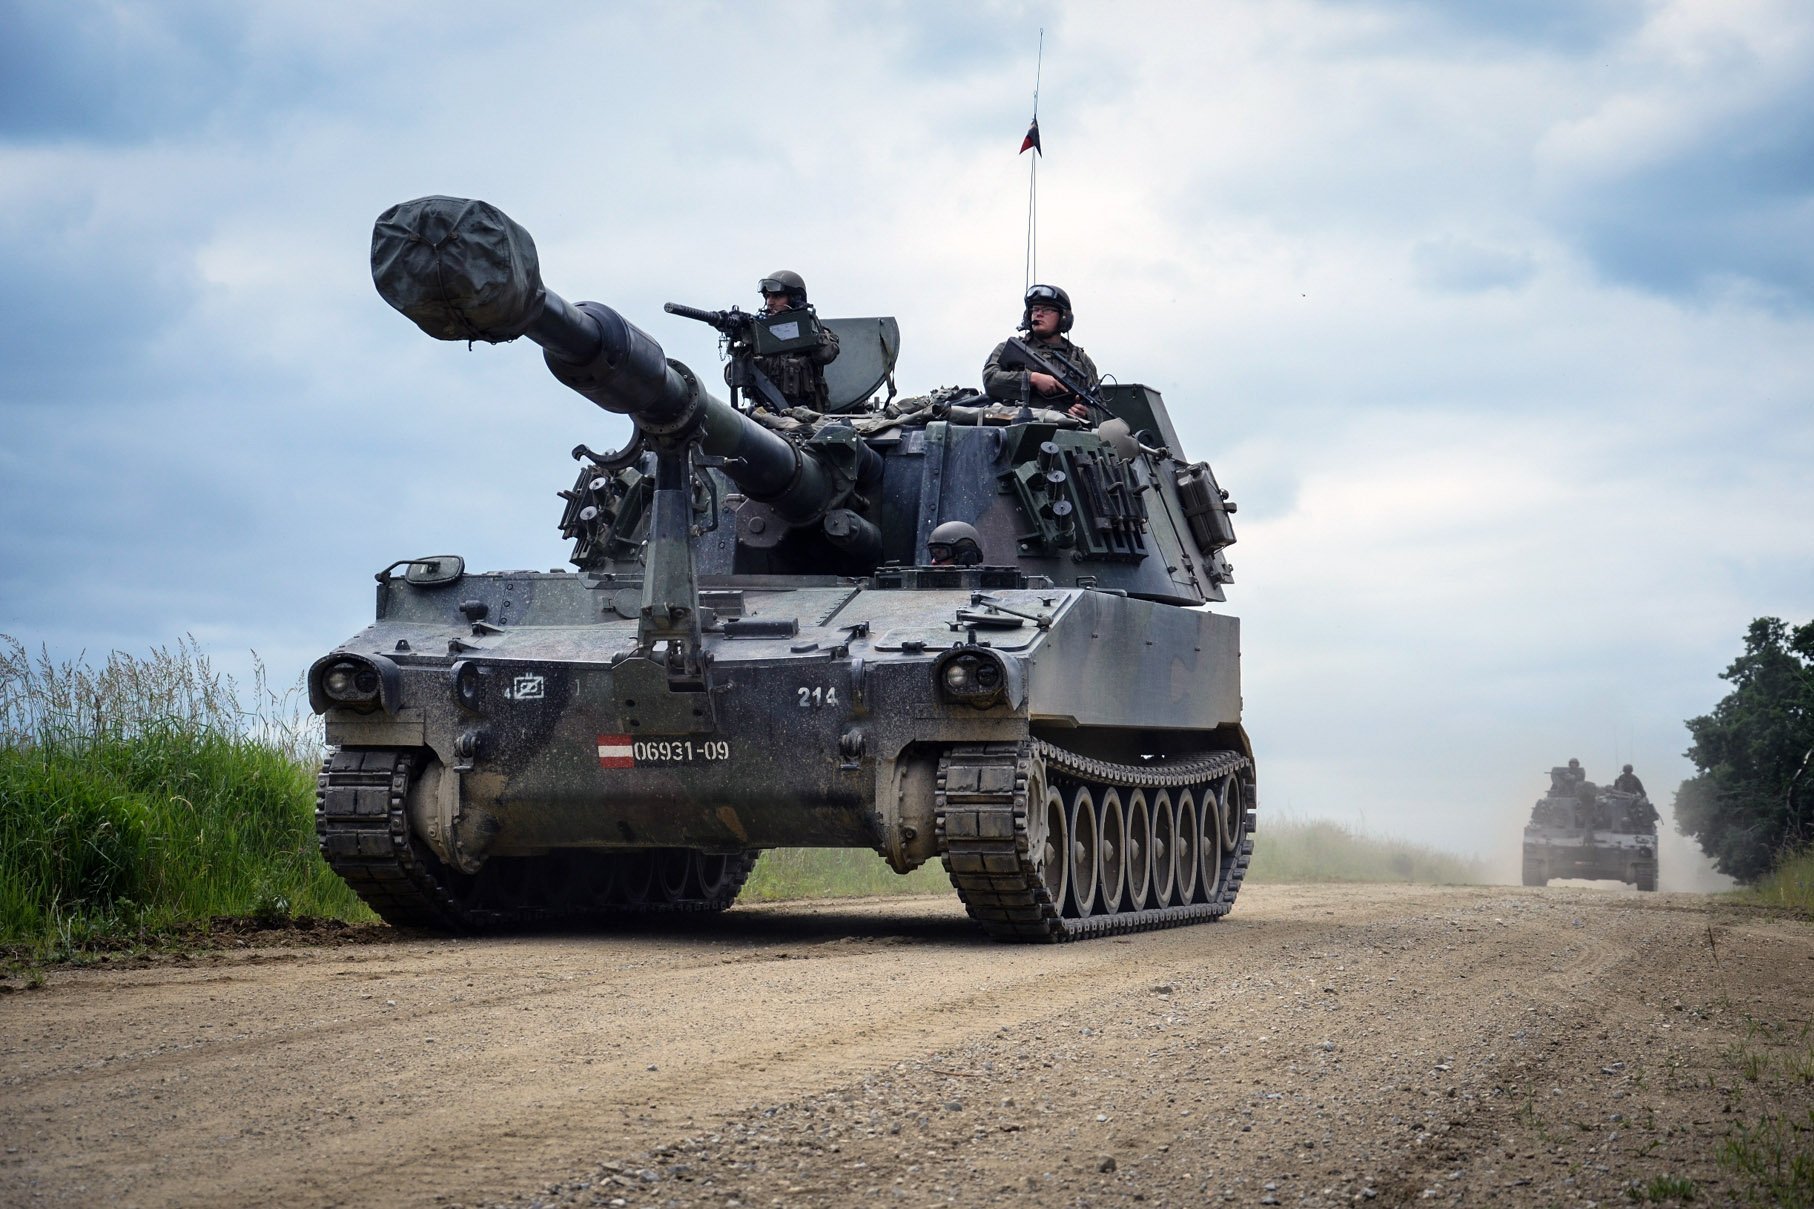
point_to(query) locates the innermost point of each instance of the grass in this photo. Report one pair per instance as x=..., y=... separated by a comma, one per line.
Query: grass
x=143, y=796
x=1790, y=884
x=785, y=873
x=1774, y=1156
x=1663, y=1188
x=1299, y=850
x=1769, y=1144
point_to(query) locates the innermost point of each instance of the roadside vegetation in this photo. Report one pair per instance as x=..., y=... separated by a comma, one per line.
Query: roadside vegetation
x=787, y=873
x=1315, y=850
x=144, y=795
x=1790, y=884
x=1750, y=805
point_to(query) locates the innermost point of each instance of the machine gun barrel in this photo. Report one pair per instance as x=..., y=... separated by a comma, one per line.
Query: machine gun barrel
x=730, y=322
x=464, y=270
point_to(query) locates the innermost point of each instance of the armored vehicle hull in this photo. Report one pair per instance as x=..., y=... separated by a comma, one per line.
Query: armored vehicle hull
x=756, y=651
x=1596, y=834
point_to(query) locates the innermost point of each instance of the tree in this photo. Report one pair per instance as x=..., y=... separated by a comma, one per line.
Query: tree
x=1753, y=799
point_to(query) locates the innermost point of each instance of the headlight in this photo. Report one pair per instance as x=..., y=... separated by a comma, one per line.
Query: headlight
x=349, y=682
x=970, y=676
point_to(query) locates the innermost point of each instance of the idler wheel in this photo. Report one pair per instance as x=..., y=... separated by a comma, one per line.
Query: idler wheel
x=1188, y=839
x=1139, y=850
x=1055, y=861
x=1111, y=846
x=1086, y=848
x=1165, y=849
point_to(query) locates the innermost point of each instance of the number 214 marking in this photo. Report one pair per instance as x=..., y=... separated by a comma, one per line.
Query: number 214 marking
x=813, y=698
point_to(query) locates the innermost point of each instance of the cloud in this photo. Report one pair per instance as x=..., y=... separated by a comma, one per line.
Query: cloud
x=1693, y=174
x=1455, y=264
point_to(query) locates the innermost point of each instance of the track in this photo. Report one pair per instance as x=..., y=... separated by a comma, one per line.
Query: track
x=362, y=824
x=1043, y=844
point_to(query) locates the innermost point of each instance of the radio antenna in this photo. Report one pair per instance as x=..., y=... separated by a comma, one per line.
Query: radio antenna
x=1032, y=141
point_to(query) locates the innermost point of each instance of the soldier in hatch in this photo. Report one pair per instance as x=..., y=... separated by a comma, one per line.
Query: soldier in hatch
x=799, y=377
x=954, y=544
x=1045, y=317
x=1627, y=782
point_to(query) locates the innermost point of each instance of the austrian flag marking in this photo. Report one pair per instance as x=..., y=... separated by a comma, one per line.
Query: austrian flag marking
x=614, y=751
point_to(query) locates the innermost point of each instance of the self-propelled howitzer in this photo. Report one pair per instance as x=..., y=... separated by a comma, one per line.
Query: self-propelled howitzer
x=757, y=650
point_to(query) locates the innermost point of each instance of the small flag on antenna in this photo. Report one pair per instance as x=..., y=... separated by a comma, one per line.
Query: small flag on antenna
x=1032, y=140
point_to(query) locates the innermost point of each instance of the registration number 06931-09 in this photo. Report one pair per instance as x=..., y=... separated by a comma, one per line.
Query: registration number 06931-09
x=622, y=751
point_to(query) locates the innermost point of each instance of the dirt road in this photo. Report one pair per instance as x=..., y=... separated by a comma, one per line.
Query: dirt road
x=1323, y=1045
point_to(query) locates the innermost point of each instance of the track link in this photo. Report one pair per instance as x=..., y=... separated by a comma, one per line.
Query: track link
x=985, y=828
x=362, y=826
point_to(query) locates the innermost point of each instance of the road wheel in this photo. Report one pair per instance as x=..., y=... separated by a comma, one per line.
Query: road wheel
x=1209, y=841
x=1165, y=850
x=1188, y=836
x=1111, y=827
x=1055, y=859
x=636, y=878
x=1139, y=850
x=1086, y=854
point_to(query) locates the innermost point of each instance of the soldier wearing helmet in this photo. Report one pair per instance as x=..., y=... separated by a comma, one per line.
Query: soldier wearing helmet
x=799, y=377
x=1045, y=316
x=1627, y=782
x=954, y=544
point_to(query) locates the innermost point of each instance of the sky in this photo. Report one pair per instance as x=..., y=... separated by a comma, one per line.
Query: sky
x=1496, y=320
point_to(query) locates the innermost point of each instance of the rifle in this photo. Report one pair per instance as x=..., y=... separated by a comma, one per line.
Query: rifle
x=1019, y=354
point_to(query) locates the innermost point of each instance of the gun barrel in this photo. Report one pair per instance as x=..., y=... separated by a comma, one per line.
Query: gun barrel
x=461, y=269
x=692, y=312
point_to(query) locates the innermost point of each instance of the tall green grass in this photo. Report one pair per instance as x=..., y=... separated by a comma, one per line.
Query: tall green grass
x=145, y=794
x=1790, y=884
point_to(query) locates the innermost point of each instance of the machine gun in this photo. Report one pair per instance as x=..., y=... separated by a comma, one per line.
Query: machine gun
x=739, y=329
x=1021, y=355
x=464, y=270
x=733, y=324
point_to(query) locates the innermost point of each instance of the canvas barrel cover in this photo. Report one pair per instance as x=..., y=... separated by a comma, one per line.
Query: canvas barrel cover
x=460, y=269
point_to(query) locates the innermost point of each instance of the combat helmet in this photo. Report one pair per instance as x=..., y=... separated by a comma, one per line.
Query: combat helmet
x=785, y=281
x=1046, y=295
x=955, y=542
